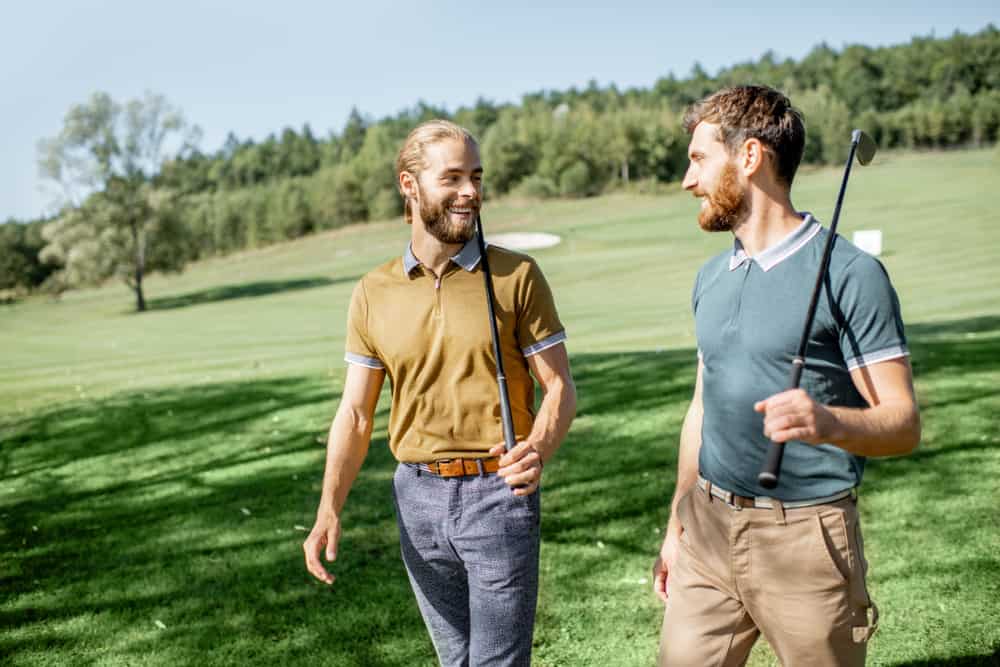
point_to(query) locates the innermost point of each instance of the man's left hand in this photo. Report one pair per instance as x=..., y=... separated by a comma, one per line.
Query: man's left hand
x=521, y=467
x=794, y=415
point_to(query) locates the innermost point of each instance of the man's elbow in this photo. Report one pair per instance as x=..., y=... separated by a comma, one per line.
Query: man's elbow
x=353, y=419
x=569, y=398
x=910, y=436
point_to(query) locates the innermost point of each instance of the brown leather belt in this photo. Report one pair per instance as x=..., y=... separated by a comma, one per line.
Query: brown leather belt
x=763, y=502
x=461, y=467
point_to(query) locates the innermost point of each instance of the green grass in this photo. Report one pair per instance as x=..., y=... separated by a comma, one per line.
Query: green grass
x=156, y=470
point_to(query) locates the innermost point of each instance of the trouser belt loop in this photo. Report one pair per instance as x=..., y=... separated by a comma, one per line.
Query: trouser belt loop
x=731, y=500
x=779, y=511
x=482, y=469
x=708, y=490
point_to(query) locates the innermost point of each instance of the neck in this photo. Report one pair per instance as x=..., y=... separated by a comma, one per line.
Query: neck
x=431, y=252
x=770, y=219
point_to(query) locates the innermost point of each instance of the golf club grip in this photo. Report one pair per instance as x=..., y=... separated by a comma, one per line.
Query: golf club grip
x=771, y=470
x=768, y=475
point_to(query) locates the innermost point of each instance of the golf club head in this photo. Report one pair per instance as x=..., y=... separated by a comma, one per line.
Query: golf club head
x=866, y=146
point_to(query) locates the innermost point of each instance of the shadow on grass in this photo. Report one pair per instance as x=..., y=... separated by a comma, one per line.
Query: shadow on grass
x=184, y=508
x=73, y=432
x=989, y=324
x=242, y=291
x=618, y=462
x=180, y=507
x=991, y=660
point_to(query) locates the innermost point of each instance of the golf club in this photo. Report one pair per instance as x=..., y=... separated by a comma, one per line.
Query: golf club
x=864, y=148
x=508, y=421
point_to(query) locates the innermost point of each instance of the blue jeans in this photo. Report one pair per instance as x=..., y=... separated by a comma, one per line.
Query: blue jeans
x=470, y=547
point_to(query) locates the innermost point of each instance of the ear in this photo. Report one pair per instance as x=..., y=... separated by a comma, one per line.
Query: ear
x=752, y=157
x=408, y=184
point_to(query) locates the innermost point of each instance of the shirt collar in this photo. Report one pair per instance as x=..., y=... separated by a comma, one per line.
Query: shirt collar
x=467, y=257
x=788, y=246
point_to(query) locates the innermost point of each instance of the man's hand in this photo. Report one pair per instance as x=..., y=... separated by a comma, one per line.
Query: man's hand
x=665, y=562
x=325, y=533
x=793, y=415
x=521, y=467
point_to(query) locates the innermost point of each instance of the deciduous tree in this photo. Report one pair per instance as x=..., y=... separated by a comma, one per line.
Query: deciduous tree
x=113, y=222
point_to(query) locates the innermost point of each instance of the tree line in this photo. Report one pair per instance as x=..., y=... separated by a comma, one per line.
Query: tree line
x=155, y=201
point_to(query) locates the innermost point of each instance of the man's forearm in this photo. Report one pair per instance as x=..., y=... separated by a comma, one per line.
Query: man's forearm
x=554, y=417
x=687, y=461
x=887, y=429
x=347, y=446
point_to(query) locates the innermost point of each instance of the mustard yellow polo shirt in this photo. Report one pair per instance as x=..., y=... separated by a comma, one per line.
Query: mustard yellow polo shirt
x=432, y=338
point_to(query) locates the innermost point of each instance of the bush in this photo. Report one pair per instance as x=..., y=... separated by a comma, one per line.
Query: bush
x=536, y=187
x=386, y=204
x=575, y=180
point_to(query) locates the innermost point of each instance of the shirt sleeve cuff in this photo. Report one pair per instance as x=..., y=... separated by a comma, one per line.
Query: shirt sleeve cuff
x=361, y=360
x=544, y=344
x=870, y=358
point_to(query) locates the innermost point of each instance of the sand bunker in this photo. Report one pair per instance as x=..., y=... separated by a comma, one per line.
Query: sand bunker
x=523, y=240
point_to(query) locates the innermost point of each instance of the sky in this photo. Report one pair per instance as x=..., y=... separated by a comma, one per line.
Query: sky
x=255, y=67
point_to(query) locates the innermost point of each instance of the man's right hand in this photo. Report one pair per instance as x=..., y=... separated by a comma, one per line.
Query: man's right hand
x=665, y=562
x=325, y=533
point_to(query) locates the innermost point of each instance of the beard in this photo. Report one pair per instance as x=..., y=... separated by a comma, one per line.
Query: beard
x=727, y=206
x=439, y=223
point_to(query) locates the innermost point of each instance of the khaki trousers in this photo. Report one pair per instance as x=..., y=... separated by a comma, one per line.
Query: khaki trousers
x=795, y=575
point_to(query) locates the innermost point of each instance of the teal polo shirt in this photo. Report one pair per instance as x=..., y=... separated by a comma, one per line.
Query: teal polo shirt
x=749, y=313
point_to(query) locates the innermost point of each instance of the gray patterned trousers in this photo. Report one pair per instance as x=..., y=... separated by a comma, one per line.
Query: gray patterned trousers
x=470, y=547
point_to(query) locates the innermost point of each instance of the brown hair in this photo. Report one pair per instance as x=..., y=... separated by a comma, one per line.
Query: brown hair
x=754, y=112
x=411, y=155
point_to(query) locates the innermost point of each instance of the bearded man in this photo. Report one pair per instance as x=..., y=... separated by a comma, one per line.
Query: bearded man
x=738, y=560
x=468, y=513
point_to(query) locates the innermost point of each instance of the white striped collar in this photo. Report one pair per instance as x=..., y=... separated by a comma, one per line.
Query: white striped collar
x=467, y=257
x=779, y=252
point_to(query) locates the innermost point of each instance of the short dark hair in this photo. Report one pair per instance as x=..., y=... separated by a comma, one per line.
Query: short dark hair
x=754, y=112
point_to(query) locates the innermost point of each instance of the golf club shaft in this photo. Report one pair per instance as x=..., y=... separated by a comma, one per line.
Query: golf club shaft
x=771, y=470
x=509, y=438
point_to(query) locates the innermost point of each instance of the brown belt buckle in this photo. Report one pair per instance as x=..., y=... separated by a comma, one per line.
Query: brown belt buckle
x=448, y=468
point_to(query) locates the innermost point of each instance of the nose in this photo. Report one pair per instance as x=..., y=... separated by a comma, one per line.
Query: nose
x=467, y=189
x=690, y=181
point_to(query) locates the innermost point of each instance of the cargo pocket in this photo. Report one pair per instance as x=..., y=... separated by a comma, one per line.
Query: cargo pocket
x=684, y=515
x=834, y=544
x=859, y=588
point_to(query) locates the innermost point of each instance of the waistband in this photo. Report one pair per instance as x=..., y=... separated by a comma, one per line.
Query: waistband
x=764, y=502
x=459, y=467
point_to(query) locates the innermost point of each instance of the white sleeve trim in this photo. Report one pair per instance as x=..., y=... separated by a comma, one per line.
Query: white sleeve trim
x=871, y=358
x=544, y=344
x=361, y=360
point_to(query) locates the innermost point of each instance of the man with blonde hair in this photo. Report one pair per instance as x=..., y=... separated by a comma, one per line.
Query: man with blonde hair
x=739, y=560
x=468, y=512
